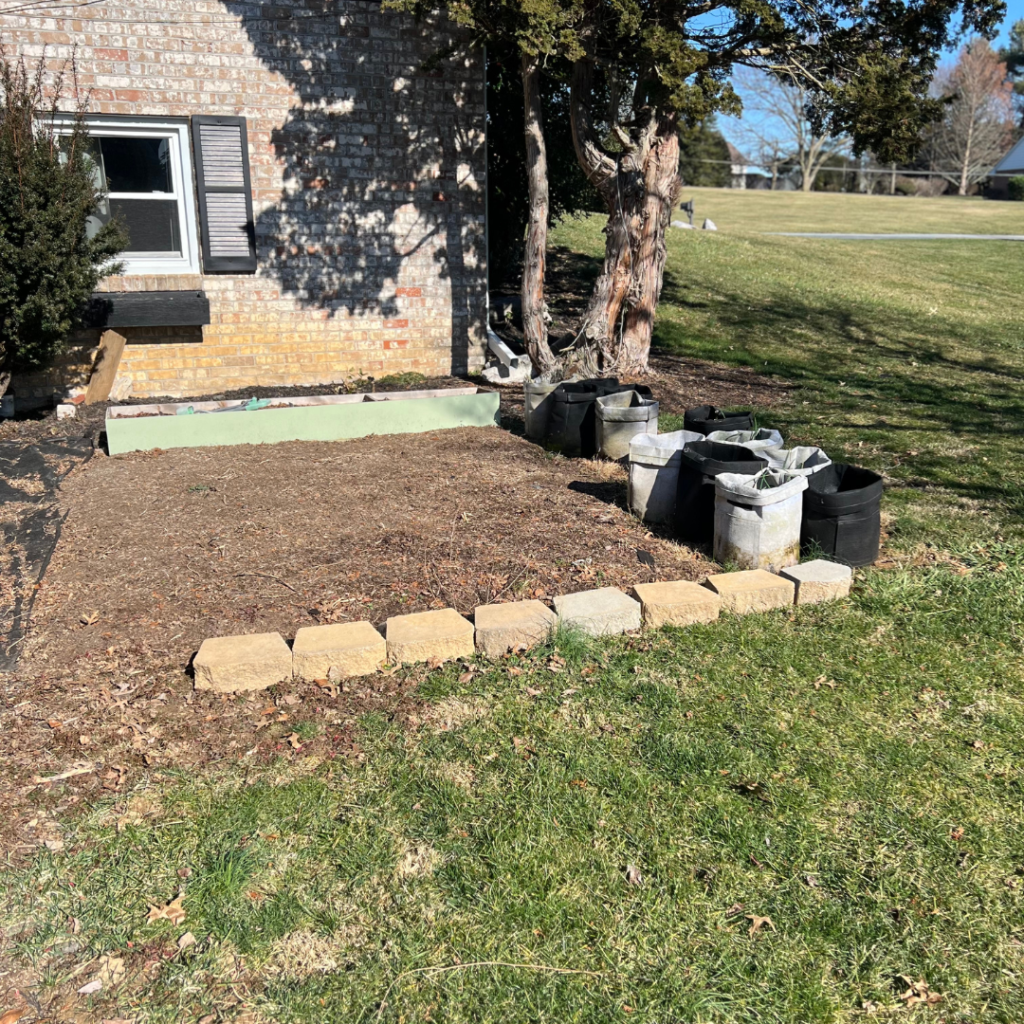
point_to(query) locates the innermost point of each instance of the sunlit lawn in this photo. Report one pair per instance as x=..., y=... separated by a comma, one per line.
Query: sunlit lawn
x=598, y=840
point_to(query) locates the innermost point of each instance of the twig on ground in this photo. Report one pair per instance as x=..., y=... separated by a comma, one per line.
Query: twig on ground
x=267, y=576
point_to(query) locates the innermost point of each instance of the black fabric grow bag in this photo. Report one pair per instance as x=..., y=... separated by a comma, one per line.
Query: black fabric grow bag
x=842, y=514
x=572, y=425
x=699, y=464
x=705, y=418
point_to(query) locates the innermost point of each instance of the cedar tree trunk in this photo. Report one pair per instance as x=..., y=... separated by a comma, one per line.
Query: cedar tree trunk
x=640, y=186
x=535, y=328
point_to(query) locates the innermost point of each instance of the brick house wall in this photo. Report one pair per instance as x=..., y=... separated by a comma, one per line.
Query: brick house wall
x=367, y=178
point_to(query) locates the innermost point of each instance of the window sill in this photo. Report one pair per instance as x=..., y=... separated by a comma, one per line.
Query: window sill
x=147, y=309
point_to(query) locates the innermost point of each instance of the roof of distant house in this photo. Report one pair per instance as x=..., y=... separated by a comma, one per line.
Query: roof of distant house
x=735, y=155
x=1013, y=162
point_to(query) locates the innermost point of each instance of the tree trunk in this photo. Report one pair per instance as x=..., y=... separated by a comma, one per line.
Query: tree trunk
x=535, y=329
x=640, y=187
x=5, y=382
x=965, y=166
x=661, y=193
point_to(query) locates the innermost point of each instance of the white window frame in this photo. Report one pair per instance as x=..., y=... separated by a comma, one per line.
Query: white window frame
x=178, y=135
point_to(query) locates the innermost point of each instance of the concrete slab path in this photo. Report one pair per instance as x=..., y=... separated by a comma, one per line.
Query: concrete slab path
x=888, y=236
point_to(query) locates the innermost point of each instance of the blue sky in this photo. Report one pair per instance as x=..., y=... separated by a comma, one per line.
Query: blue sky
x=1014, y=12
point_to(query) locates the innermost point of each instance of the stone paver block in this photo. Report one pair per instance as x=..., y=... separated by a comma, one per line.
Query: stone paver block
x=603, y=612
x=501, y=628
x=679, y=603
x=819, y=580
x=752, y=590
x=424, y=636
x=349, y=648
x=229, y=664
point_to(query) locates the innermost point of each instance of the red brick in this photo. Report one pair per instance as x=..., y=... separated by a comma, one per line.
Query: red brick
x=409, y=293
x=396, y=344
x=395, y=324
x=101, y=53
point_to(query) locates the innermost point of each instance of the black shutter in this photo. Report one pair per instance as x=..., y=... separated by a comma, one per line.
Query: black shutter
x=221, y=150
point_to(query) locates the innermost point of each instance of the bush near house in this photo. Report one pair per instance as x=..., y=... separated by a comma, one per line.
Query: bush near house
x=49, y=264
x=1016, y=187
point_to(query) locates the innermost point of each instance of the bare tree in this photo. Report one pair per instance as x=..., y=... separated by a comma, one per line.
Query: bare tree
x=977, y=125
x=776, y=127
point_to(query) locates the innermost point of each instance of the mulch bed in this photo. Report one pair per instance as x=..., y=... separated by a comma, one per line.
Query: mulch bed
x=160, y=550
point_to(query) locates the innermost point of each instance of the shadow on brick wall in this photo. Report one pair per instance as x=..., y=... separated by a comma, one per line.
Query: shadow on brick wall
x=378, y=193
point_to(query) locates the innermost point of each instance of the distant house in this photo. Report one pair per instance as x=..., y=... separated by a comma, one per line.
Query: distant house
x=1010, y=166
x=742, y=173
x=304, y=195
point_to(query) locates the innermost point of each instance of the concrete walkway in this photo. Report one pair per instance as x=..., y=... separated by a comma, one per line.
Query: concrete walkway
x=896, y=238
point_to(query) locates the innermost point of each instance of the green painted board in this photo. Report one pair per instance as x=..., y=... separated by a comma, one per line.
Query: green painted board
x=131, y=429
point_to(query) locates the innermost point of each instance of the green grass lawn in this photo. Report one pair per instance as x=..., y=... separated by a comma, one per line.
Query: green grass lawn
x=592, y=835
x=752, y=212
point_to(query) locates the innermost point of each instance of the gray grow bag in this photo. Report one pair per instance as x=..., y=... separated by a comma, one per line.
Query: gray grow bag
x=620, y=418
x=805, y=459
x=537, y=408
x=654, y=473
x=760, y=441
x=757, y=519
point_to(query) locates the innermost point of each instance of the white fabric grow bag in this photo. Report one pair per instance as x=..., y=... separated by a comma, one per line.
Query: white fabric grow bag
x=759, y=441
x=757, y=519
x=621, y=417
x=654, y=473
x=804, y=460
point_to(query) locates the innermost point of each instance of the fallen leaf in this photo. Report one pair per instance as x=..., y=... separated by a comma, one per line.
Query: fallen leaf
x=532, y=691
x=735, y=910
x=53, y=724
x=91, y=988
x=956, y=834
x=88, y=618
x=633, y=876
x=294, y=742
x=757, y=922
x=54, y=845
x=466, y=677
x=13, y=1015
x=514, y=670
x=918, y=993
x=186, y=940
x=570, y=691
x=434, y=663
x=173, y=911
x=118, y=1020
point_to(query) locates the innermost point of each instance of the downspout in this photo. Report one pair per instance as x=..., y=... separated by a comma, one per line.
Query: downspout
x=487, y=212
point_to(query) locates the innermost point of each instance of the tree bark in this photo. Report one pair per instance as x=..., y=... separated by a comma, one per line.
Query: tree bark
x=535, y=328
x=640, y=187
x=661, y=193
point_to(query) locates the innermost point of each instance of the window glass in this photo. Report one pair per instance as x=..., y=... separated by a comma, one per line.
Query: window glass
x=138, y=166
x=134, y=165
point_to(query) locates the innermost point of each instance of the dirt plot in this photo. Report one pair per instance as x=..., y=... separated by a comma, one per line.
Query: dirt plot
x=160, y=550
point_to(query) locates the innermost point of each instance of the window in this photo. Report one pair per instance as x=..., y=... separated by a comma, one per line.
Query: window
x=145, y=169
